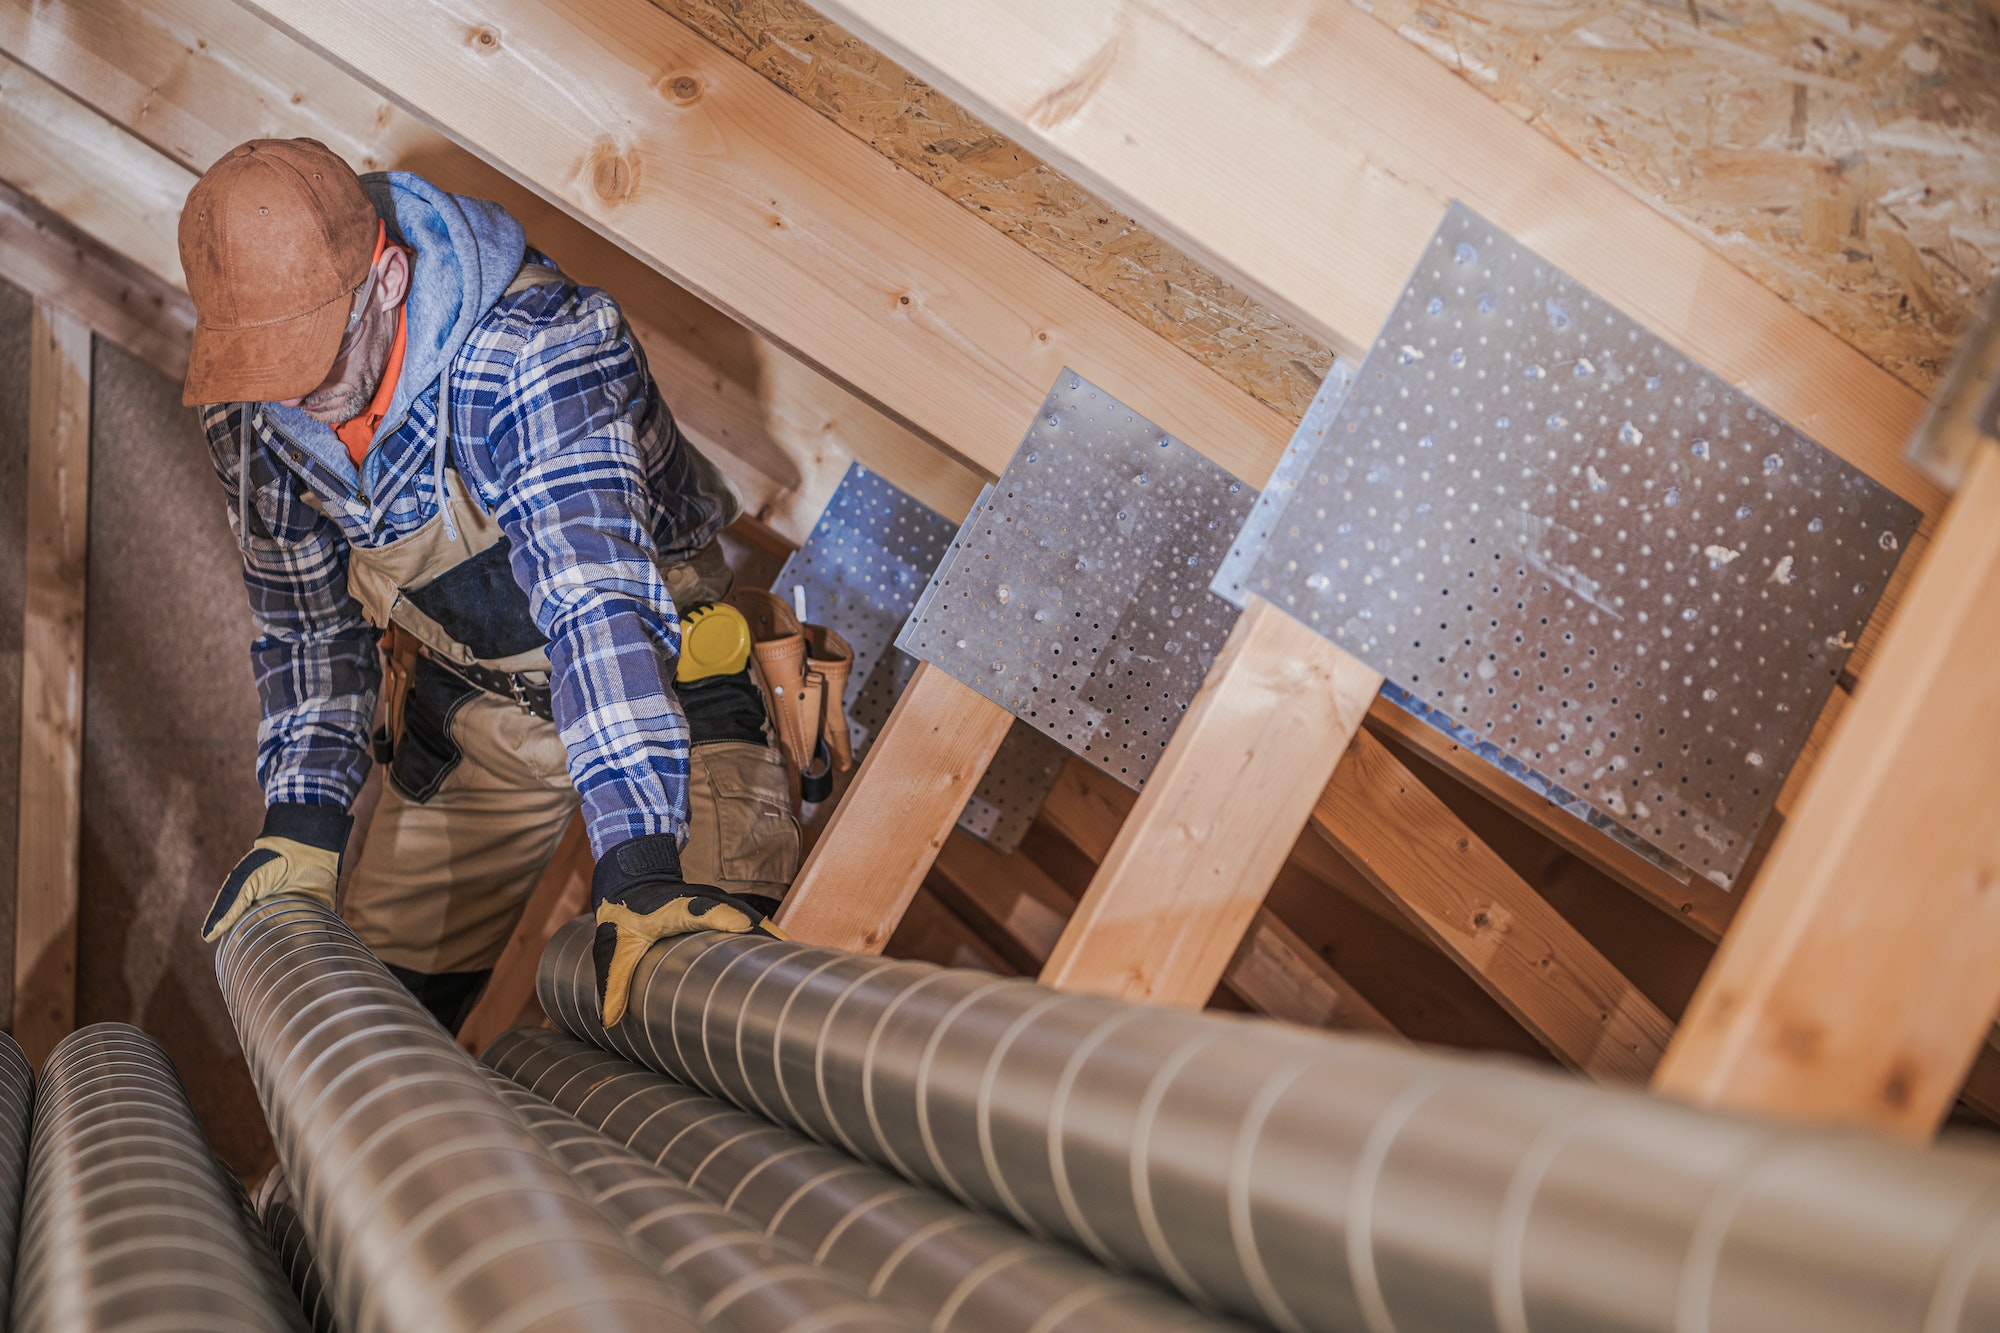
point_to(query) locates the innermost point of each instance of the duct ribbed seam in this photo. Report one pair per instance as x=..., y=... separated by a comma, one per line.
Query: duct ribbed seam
x=429, y=1207
x=130, y=1222
x=732, y=1278
x=278, y=1214
x=1314, y=1181
x=958, y=1271
x=17, y=1106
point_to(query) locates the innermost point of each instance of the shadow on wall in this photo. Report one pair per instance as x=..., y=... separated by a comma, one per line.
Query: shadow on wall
x=170, y=797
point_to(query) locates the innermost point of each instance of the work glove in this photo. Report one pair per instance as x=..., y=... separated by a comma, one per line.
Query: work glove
x=298, y=852
x=640, y=898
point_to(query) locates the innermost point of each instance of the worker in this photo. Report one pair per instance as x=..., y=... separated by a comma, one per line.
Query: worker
x=438, y=449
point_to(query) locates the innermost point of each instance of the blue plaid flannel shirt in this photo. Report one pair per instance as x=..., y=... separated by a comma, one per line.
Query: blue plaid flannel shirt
x=559, y=430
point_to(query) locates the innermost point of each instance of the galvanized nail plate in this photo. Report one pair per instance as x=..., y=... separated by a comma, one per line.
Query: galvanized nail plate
x=862, y=568
x=1578, y=543
x=1076, y=595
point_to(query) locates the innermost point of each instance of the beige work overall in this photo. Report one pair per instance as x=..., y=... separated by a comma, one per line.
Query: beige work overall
x=441, y=882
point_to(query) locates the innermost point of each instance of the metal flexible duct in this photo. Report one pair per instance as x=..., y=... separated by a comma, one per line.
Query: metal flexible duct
x=429, y=1206
x=1316, y=1182
x=130, y=1223
x=734, y=1279
x=960, y=1272
x=17, y=1105
x=278, y=1212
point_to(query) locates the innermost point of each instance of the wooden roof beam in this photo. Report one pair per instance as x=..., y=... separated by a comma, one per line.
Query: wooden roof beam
x=53, y=262
x=697, y=164
x=1857, y=985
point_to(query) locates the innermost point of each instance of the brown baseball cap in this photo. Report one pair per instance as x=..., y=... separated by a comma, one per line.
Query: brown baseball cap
x=274, y=239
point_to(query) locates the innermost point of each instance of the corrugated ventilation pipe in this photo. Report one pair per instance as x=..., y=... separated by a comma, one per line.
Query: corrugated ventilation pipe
x=913, y=1248
x=17, y=1106
x=130, y=1221
x=1315, y=1182
x=429, y=1206
x=279, y=1212
x=733, y=1279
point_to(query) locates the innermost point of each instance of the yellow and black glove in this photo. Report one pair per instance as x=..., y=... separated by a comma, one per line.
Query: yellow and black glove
x=641, y=898
x=298, y=852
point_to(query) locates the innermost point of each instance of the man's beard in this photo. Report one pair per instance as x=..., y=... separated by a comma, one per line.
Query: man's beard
x=344, y=402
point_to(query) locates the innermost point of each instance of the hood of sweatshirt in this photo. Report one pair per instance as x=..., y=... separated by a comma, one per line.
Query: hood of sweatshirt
x=466, y=251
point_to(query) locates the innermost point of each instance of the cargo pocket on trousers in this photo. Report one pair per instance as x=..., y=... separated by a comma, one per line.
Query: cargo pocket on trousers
x=425, y=753
x=748, y=814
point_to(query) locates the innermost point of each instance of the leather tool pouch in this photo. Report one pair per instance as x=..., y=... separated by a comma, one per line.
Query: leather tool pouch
x=830, y=659
x=399, y=663
x=778, y=653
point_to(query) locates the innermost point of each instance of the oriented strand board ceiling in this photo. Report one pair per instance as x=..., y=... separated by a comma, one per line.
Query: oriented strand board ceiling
x=1846, y=153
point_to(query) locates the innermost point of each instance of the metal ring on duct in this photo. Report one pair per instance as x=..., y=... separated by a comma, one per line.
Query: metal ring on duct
x=17, y=1106
x=278, y=1211
x=130, y=1221
x=1313, y=1181
x=734, y=1279
x=429, y=1206
x=959, y=1271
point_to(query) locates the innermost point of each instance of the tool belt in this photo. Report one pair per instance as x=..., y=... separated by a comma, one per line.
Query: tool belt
x=531, y=696
x=803, y=670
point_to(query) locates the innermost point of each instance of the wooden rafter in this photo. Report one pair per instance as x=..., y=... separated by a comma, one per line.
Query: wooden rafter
x=1183, y=882
x=698, y=165
x=1274, y=971
x=51, y=801
x=53, y=262
x=1487, y=918
x=866, y=867
x=89, y=171
x=560, y=894
x=1857, y=984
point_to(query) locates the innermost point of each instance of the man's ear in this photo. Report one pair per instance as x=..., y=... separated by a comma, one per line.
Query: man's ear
x=394, y=283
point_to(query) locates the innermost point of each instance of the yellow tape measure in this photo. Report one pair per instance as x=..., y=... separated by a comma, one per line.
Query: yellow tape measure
x=715, y=641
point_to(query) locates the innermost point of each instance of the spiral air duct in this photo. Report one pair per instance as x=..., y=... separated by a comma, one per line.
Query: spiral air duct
x=429, y=1206
x=130, y=1222
x=1313, y=1181
x=278, y=1212
x=17, y=1104
x=962, y=1273
x=733, y=1279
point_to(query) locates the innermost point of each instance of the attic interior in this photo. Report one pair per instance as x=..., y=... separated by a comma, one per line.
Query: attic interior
x=1108, y=392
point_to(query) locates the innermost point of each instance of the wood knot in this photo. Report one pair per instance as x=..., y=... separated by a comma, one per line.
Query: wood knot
x=613, y=175
x=683, y=88
x=1802, y=1041
x=1900, y=1086
x=484, y=41
x=1481, y=921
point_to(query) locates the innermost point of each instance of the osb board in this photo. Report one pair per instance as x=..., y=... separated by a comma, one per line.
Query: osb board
x=170, y=797
x=1846, y=153
x=928, y=135
x=16, y=310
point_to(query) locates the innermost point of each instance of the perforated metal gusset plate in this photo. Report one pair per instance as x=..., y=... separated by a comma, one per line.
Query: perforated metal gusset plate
x=1014, y=787
x=1076, y=595
x=862, y=568
x=1584, y=547
x=1237, y=567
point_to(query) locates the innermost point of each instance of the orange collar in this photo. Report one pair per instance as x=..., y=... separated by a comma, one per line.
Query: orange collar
x=358, y=433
